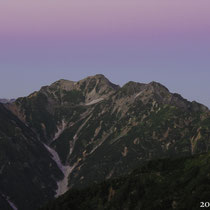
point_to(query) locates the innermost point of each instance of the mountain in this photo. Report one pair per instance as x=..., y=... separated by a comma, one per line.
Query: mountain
x=96, y=130
x=166, y=184
x=4, y=101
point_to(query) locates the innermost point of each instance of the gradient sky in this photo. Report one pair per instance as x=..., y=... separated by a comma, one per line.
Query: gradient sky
x=141, y=40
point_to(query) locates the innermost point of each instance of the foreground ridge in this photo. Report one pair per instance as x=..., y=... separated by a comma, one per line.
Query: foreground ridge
x=159, y=184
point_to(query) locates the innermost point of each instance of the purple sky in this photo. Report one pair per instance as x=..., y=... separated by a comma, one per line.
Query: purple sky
x=148, y=40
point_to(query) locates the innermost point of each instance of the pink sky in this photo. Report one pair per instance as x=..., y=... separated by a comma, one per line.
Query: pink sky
x=99, y=36
x=46, y=16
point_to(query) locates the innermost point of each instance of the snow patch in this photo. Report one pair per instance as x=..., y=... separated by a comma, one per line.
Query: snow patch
x=72, y=144
x=60, y=129
x=56, y=158
x=94, y=101
x=66, y=169
x=62, y=184
x=110, y=174
x=137, y=95
x=2, y=168
x=12, y=205
x=95, y=148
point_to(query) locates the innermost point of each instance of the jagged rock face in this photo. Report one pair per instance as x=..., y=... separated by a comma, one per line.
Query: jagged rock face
x=83, y=91
x=44, y=110
x=27, y=173
x=103, y=131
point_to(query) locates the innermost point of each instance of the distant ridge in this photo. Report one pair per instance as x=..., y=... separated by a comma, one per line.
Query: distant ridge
x=4, y=101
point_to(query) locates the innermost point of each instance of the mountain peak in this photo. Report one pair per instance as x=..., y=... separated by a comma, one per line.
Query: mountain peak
x=63, y=84
x=132, y=88
x=98, y=78
x=96, y=87
x=153, y=87
x=157, y=86
x=92, y=88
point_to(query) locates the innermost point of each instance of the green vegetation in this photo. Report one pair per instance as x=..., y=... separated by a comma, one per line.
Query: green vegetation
x=91, y=85
x=74, y=96
x=35, y=108
x=160, y=184
x=62, y=143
